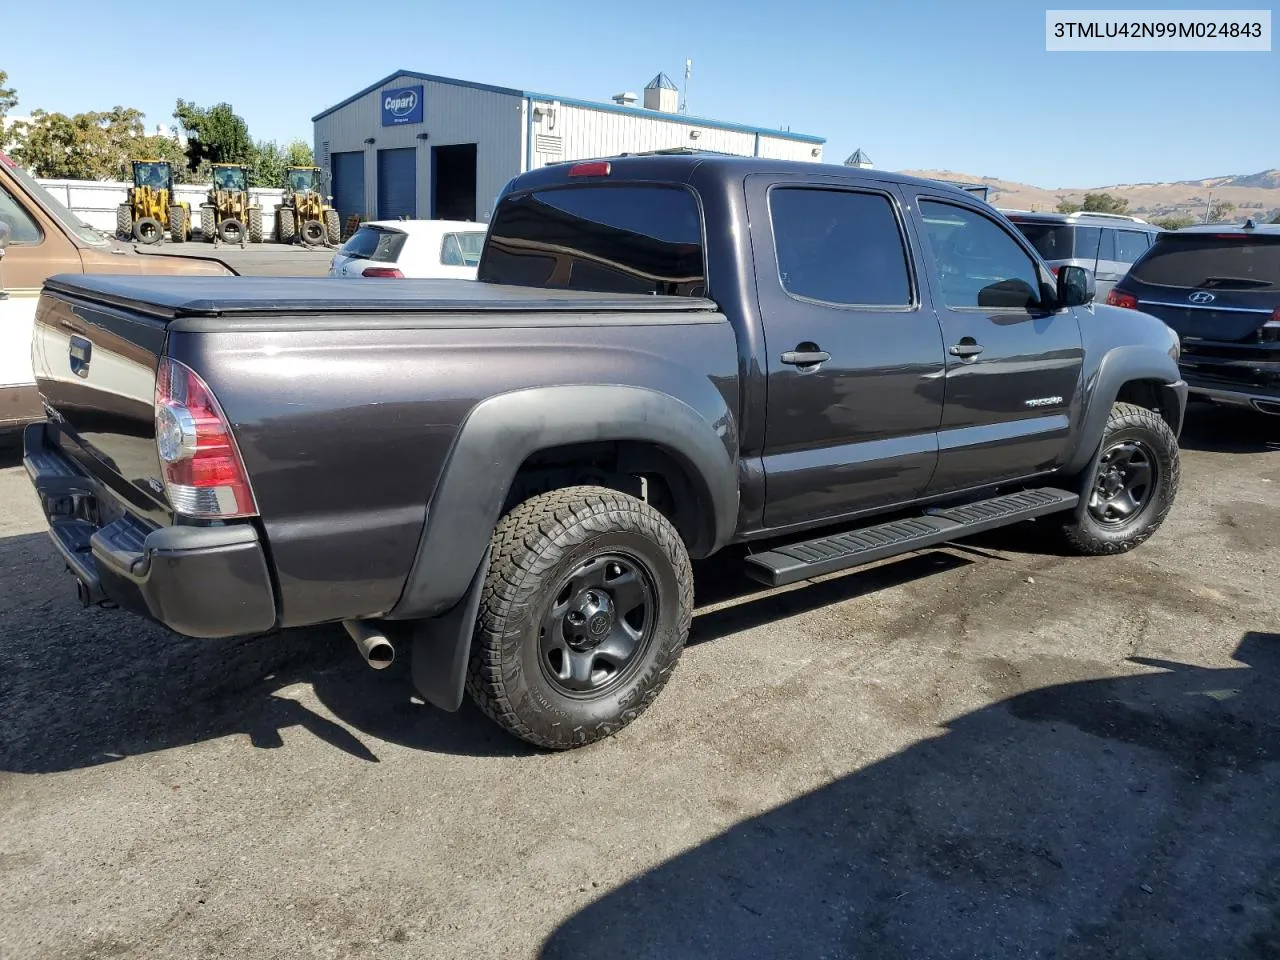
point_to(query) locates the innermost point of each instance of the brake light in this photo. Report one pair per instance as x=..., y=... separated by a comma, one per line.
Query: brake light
x=203, y=473
x=1054, y=270
x=596, y=168
x=381, y=272
x=1118, y=299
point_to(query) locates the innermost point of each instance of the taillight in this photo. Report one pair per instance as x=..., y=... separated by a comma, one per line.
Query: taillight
x=1118, y=299
x=199, y=460
x=1054, y=270
x=381, y=272
x=595, y=168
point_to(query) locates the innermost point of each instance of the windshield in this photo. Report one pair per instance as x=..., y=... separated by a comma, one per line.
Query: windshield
x=55, y=207
x=302, y=181
x=1240, y=261
x=153, y=175
x=228, y=178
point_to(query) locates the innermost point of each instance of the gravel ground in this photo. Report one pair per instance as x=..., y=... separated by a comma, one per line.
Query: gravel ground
x=979, y=751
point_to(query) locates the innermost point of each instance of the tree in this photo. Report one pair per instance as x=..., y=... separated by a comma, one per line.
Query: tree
x=8, y=100
x=214, y=134
x=86, y=146
x=1068, y=206
x=269, y=162
x=1175, y=221
x=1223, y=211
x=299, y=154
x=157, y=147
x=1104, y=203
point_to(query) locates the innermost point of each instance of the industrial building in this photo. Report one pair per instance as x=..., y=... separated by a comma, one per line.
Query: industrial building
x=421, y=146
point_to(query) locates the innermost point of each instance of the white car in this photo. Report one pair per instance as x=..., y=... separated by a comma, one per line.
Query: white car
x=411, y=248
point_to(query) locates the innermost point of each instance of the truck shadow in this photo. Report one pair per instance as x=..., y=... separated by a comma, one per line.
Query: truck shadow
x=1212, y=428
x=80, y=688
x=1120, y=817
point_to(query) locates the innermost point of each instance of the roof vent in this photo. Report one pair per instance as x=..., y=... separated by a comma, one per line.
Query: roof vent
x=625, y=99
x=662, y=95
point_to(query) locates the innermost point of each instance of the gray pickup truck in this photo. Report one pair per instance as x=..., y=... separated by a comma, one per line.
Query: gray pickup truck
x=662, y=357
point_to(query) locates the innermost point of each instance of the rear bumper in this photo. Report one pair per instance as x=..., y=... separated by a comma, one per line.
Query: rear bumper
x=198, y=581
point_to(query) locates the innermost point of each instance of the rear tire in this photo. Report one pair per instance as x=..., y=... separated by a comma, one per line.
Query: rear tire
x=255, y=224
x=286, y=225
x=124, y=221
x=312, y=233
x=231, y=231
x=179, y=229
x=208, y=225
x=333, y=227
x=148, y=230
x=1132, y=487
x=583, y=617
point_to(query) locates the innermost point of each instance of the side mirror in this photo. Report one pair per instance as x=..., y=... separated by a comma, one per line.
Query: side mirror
x=1076, y=286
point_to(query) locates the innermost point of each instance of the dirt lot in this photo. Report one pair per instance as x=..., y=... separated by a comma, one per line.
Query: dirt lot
x=981, y=751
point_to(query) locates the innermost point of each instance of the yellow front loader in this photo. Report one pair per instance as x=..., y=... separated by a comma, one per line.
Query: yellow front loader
x=152, y=207
x=228, y=214
x=303, y=213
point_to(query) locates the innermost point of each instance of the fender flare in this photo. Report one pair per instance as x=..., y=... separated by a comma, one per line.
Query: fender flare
x=501, y=432
x=1119, y=366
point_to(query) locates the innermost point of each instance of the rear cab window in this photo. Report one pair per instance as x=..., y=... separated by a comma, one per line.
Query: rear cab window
x=1224, y=261
x=606, y=238
x=375, y=243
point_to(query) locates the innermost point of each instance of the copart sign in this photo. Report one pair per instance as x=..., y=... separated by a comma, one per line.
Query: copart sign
x=401, y=106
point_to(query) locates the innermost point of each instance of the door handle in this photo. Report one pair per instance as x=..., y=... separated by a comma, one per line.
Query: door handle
x=966, y=348
x=79, y=354
x=805, y=358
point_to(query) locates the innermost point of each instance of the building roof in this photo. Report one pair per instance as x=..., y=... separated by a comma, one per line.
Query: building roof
x=661, y=82
x=574, y=102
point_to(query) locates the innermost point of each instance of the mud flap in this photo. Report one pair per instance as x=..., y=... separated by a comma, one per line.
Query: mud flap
x=442, y=646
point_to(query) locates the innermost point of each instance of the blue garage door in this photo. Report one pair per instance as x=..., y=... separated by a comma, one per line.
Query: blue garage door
x=348, y=183
x=397, y=183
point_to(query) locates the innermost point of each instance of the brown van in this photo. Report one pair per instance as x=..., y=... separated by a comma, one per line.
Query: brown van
x=44, y=238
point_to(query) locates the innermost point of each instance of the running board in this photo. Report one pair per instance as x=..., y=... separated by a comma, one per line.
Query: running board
x=813, y=558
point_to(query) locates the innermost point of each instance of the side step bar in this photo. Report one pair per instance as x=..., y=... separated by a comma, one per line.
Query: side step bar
x=813, y=558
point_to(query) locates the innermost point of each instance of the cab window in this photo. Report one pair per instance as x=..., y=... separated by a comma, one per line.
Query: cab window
x=22, y=228
x=978, y=264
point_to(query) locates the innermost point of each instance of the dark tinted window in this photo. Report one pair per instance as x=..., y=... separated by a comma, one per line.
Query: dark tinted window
x=1107, y=248
x=839, y=247
x=1086, y=244
x=1052, y=240
x=1130, y=245
x=626, y=239
x=1205, y=260
x=978, y=263
x=372, y=243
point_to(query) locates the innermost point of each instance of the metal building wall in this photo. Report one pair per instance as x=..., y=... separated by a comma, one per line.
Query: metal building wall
x=571, y=132
x=451, y=114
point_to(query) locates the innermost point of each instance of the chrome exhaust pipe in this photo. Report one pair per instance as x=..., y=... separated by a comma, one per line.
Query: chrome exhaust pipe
x=372, y=643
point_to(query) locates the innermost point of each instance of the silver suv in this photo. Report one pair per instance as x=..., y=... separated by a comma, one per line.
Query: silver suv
x=1106, y=243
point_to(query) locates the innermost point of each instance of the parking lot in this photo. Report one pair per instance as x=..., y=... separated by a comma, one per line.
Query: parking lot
x=980, y=751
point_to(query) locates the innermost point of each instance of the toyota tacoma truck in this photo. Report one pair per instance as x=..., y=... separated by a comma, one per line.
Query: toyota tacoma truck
x=662, y=357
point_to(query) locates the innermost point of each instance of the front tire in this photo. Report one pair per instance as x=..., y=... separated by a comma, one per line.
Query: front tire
x=1133, y=485
x=584, y=615
x=124, y=221
x=286, y=225
x=332, y=227
x=179, y=228
x=255, y=224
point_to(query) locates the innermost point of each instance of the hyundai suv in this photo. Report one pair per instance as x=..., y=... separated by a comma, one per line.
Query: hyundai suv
x=1105, y=243
x=1218, y=287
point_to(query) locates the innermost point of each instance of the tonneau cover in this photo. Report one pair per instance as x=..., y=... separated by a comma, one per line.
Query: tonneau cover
x=173, y=297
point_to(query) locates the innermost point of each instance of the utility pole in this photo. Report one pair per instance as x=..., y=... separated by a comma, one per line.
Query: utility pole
x=684, y=97
x=1208, y=205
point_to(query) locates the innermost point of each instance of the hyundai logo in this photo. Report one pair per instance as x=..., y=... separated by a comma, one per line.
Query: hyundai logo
x=1201, y=296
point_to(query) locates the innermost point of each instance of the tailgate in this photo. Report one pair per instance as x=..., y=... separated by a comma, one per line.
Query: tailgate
x=95, y=367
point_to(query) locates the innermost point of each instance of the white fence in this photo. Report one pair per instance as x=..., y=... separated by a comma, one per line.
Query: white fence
x=95, y=201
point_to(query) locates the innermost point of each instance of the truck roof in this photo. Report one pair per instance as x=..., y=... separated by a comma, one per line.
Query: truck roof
x=678, y=168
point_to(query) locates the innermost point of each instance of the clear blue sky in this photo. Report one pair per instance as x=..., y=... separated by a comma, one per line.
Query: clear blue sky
x=960, y=86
